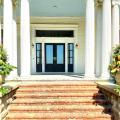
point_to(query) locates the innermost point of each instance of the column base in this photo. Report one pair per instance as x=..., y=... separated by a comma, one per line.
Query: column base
x=11, y=77
x=89, y=77
x=25, y=77
x=105, y=76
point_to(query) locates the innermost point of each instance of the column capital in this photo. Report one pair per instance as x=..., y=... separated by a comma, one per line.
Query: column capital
x=98, y=3
x=115, y=2
x=15, y=3
x=1, y=3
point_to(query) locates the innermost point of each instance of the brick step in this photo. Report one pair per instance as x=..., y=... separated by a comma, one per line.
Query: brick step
x=61, y=119
x=69, y=99
x=21, y=96
x=63, y=94
x=60, y=96
x=56, y=96
x=80, y=84
x=60, y=102
x=58, y=115
x=55, y=108
x=57, y=89
x=48, y=99
x=58, y=86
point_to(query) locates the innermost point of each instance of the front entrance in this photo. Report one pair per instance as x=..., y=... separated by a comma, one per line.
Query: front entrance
x=54, y=51
x=54, y=57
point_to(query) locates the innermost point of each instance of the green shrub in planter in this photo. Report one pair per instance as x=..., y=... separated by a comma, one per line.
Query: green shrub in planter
x=4, y=90
x=114, y=67
x=5, y=67
x=117, y=89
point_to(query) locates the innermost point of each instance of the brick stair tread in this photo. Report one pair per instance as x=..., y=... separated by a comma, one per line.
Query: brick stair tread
x=58, y=90
x=60, y=101
x=58, y=94
x=59, y=97
x=59, y=86
x=58, y=108
x=58, y=115
x=62, y=119
x=84, y=84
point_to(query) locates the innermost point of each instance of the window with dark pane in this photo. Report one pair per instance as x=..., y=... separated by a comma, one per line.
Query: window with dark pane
x=54, y=33
x=70, y=57
x=38, y=57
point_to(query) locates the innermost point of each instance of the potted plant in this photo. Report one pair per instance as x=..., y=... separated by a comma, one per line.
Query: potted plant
x=5, y=67
x=114, y=67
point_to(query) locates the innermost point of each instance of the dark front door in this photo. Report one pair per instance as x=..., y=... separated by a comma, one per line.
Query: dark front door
x=54, y=57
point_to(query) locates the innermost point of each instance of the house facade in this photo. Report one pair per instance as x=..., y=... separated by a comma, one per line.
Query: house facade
x=60, y=36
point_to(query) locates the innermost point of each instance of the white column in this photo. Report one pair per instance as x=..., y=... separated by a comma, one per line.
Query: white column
x=25, y=38
x=106, y=38
x=98, y=39
x=90, y=39
x=14, y=50
x=115, y=23
x=7, y=25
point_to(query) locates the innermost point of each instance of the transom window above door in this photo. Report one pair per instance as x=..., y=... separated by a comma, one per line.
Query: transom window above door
x=54, y=33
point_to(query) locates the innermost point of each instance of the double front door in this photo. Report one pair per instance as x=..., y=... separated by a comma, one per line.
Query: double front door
x=54, y=57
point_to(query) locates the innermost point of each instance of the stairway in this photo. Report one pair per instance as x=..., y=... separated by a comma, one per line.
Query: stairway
x=59, y=101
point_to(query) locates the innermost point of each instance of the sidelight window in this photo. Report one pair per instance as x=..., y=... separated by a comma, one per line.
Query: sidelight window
x=70, y=57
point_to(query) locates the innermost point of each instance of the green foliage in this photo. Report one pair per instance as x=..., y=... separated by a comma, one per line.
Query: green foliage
x=5, y=67
x=3, y=54
x=117, y=89
x=4, y=90
x=114, y=67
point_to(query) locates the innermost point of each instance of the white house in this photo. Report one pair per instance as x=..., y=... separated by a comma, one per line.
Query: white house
x=60, y=36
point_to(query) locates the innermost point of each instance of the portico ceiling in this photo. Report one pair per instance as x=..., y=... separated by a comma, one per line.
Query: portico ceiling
x=57, y=8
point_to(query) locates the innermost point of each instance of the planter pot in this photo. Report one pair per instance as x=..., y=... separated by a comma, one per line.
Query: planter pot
x=2, y=79
x=117, y=78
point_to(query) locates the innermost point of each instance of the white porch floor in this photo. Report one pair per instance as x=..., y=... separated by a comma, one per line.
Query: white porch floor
x=57, y=77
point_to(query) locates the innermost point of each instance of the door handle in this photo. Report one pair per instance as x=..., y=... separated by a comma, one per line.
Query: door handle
x=54, y=58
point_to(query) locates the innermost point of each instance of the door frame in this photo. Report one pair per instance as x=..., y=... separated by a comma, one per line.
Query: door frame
x=44, y=40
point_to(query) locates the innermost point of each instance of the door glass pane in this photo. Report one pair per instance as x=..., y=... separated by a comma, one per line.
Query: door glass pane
x=71, y=46
x=49, y=54
x=38, y=60
x=38, y=53
x=71, y=53
x=71, y=61
x=38, y=46
x=60, y=54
